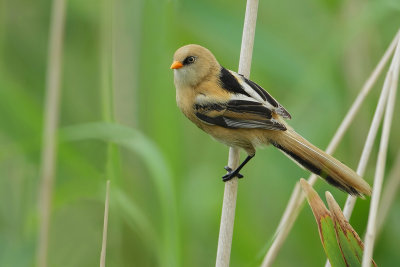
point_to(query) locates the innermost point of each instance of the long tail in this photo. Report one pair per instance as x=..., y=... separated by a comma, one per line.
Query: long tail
x=320, y=163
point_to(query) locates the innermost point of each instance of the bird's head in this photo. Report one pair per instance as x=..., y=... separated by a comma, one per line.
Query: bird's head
x=192, y=64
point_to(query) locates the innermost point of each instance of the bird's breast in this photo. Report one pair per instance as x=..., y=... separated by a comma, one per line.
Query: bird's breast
x=185, y=97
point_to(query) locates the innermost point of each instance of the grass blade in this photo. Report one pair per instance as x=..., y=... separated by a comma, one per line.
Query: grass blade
x=325, y=224
x=350, y=242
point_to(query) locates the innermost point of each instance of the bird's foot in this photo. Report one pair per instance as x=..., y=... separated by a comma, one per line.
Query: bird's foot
x=231, y=174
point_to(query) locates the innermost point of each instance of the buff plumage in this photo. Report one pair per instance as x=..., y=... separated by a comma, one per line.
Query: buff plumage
x=239, y=113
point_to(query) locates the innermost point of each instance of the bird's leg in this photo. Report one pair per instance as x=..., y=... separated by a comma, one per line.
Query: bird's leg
x=235, y=173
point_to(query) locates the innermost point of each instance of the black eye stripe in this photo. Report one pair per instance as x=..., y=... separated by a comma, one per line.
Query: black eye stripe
x=189, y=60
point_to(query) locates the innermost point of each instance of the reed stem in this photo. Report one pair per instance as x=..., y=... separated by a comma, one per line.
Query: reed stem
x=230, y=193
x=105, y=226
x=51, y=116
x=294, y=206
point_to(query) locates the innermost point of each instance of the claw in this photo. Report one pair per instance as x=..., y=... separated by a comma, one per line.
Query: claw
x=230, y=174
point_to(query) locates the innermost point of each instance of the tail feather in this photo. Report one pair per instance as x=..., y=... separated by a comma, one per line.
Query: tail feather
x=315, y=160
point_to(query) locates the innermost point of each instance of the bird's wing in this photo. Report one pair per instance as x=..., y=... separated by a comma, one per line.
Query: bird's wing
x=241, y=86
x=236, y=114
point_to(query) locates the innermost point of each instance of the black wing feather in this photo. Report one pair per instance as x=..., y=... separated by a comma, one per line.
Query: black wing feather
x=230, y=115
x=261, y=92
x=243, y=106
x=230, y=83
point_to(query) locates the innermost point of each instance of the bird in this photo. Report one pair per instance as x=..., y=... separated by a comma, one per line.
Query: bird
x=240, y=113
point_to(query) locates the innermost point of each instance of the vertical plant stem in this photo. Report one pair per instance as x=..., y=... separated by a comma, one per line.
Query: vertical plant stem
x=228, y=215
x=106, y=70
x=106, y=61
x=286, y=222
x=230, y=193
x=249, y=30
x=381, y=162
x=107, y=86
x=105, y=227
x=51, y=116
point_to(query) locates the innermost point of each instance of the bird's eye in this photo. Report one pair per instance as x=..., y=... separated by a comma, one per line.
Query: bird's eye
x=189, y=60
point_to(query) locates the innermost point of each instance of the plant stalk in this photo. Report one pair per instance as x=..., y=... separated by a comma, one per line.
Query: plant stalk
x=51, y=117
x=293, y=208
x=381, y=162
x=230, y=193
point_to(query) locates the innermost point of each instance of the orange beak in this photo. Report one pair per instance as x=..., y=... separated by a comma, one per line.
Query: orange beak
x=176, y=65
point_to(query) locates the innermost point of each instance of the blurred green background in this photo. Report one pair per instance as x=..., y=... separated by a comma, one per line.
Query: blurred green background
x=313, y=56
